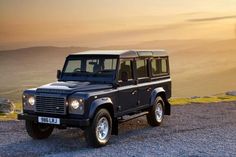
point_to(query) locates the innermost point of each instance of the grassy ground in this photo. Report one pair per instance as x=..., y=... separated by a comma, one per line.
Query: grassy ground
x=173, y=101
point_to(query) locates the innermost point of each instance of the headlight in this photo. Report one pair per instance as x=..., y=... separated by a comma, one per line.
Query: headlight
x=77, y=103
x=28, y=101
x=31, y=100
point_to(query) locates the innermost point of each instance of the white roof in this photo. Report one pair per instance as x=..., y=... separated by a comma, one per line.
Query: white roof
x=124, y=53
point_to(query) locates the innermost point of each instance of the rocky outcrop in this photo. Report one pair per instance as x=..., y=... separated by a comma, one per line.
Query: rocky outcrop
x=6, y=106
x=231, y=93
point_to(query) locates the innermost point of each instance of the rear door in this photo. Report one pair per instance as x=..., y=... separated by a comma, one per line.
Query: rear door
x=144, y=87
x=127, y=90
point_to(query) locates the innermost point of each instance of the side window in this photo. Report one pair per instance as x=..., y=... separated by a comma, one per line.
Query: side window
x=125, y=72
x=141, y=66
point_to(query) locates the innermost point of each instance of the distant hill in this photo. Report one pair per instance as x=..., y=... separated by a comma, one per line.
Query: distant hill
x=198, y=67
x=44, y=49
x=30, y=67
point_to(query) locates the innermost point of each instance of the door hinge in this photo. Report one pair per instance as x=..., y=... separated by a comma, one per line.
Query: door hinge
x=138, y=102
x=119, y=108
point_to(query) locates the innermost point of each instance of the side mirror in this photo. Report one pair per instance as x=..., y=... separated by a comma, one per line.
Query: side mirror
x=58, y=74
x=115, y=85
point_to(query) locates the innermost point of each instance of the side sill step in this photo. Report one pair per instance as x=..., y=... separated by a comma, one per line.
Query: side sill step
x=124, y=119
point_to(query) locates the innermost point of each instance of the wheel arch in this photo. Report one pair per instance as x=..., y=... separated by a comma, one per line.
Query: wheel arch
x=99, y=103
x=105, y=103
x=162, y=93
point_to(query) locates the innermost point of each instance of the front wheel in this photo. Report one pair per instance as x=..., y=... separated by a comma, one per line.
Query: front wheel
x=99, y=132
x=156, y=113
x=37, y=130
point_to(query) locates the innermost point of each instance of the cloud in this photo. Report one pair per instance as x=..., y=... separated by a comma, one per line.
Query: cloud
x=211, y=18
x=191, y=13
x=140, y=31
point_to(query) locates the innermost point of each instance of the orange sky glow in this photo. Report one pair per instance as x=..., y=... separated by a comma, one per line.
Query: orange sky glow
x=95, y=23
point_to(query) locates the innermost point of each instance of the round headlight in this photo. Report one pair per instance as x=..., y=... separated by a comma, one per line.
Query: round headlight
x=31, y=100
x=75, y=104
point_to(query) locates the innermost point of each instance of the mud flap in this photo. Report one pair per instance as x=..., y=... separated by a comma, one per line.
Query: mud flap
x=167, y=107
x=115, y=128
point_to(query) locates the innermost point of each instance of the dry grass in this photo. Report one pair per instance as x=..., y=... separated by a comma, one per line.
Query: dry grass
x=173, y=101
x=11, y=116
x=202, y=100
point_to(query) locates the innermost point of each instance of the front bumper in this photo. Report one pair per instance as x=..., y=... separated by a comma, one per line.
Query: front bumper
x=63, y=121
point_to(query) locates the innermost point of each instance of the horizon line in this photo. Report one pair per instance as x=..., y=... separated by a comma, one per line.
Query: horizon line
x=90, y=47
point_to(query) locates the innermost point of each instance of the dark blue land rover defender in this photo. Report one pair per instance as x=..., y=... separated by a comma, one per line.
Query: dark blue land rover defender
x=97, y=90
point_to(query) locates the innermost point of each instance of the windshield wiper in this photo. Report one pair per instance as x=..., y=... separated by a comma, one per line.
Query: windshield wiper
x=79, y=72
x=102, y=72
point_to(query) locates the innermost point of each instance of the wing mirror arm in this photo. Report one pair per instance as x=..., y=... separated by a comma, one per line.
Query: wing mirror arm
x=58, y=74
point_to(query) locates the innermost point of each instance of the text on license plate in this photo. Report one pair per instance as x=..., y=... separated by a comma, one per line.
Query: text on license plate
x=48, y=120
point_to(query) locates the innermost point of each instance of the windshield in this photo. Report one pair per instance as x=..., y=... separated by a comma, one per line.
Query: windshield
x=90, y=68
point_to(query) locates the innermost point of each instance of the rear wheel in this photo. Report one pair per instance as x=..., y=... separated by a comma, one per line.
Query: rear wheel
x=99, y=132
x=155, y=115
x=37, y=130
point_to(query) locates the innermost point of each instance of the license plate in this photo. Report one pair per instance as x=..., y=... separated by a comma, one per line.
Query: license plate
x=49, y=120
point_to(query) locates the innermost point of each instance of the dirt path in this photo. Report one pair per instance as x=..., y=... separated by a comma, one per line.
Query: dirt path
x=191, y=130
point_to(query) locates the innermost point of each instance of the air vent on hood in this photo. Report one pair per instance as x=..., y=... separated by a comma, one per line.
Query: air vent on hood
x=56, y=91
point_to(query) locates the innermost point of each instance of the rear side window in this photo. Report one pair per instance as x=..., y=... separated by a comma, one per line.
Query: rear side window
x=159, y=66
x=155, y=67
x=164, y=65
x=141, y=66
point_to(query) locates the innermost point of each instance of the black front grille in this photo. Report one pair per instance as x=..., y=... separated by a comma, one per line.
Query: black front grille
x=52, y=105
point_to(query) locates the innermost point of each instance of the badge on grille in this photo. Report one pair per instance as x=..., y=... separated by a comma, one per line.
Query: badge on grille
x=57, y=108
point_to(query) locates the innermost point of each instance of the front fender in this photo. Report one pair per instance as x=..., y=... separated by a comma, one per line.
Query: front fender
x=98, y=103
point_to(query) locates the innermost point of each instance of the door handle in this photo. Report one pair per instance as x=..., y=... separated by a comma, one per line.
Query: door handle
x=148, y=89
x=134, y=92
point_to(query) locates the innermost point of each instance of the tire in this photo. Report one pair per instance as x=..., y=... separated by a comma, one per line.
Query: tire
x=38, y=131
x=101, y=121
x=155, y=115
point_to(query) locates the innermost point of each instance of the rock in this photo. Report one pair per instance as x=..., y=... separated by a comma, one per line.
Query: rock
x=195, y=97
x=6, y=106
x=206, y=97
x=231, y=93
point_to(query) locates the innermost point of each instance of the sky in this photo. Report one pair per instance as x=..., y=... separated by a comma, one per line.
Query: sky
x=95, y=23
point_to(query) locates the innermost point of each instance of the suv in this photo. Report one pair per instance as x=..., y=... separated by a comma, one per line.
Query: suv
x=97, y=90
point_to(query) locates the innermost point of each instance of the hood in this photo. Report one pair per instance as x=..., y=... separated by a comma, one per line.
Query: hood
x=71, y=87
